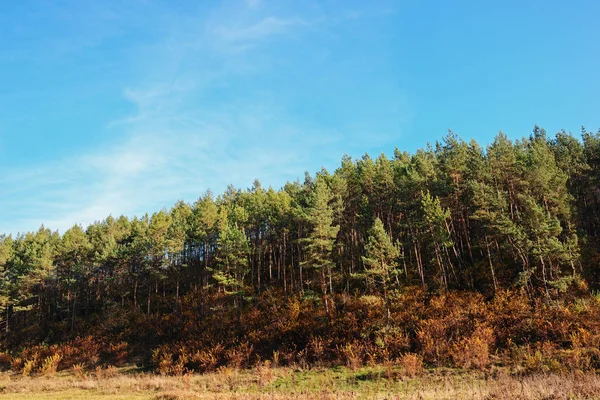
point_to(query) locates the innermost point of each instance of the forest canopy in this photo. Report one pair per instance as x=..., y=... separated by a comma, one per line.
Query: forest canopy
x=520, y=215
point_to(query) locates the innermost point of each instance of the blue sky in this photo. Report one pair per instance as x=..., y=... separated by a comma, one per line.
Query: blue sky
x=125, y=106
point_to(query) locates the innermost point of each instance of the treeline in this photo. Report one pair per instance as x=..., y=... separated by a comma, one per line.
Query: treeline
x=521, y=215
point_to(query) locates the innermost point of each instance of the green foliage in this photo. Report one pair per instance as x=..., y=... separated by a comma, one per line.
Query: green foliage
x=381, y=254
x=321, y=239
x=342, y=245
x=232, y=258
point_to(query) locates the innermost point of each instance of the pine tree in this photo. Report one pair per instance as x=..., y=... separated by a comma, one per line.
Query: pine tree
x=435, y=223
x=232, y=258
x=202, y=234
x=381, y=260
x=176, y=244
x=6, y=250
x=74, y=268
x=158, y=241
x=320, y=242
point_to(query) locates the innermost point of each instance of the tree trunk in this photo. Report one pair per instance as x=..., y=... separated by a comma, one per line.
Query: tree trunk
x=487, y=246
x=73, y=314
x=149, y=294
x=284, y=266
x=135, y=288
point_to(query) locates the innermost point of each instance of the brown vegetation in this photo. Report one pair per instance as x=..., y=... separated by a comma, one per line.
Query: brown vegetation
x=453, y=329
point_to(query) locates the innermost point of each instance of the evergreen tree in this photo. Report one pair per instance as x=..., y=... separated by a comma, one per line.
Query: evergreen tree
x=202, y=234
x=381, y=260
x=176, y=244
x=6, y=250
x=158, y=240
x=321, y=240
x=74, y=269
x=436, y=225
x=232, y=258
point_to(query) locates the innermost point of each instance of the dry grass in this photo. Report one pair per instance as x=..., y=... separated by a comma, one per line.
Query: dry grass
x=286, y=383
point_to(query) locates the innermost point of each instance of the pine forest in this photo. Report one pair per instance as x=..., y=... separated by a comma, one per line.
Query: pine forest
x=457, y=255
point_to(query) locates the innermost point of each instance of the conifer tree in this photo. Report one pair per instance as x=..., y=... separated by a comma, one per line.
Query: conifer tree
x=176, y=244
x=73, y=265
x=320, y=242
x=6, y=250
x=158, y=240
x=435, y=223
x=202, y=234
x=381, y=260
x=232, y=256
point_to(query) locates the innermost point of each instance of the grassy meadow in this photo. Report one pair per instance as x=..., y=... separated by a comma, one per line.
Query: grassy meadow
x=381, y=382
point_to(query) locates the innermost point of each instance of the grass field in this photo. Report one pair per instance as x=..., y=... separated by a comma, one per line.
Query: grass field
x=285, y=383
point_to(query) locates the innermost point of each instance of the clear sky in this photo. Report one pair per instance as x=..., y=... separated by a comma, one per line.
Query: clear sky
x=125, y=106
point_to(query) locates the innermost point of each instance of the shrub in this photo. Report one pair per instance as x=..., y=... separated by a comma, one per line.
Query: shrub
x=165, y=366
x=394, y=340
x=474, y=352
x=412, y=364
x=79, y=371
x=178, y=369
x=117, y=353
x=433, y=341
x=28, y=367
x=275, y=358
x=541, y=358
x=239, y=355
x=316, y=349
x=207, y=360
x=16, y=363
x=50, y=365
x=5, y=360
x=352, y=354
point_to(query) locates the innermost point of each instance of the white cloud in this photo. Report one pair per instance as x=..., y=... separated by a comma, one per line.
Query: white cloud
x=269, y=26
x=253, y=3
x=176, y=144
x=154, y=167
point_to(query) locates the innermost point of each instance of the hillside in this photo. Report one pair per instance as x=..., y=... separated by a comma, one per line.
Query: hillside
x=456, y=255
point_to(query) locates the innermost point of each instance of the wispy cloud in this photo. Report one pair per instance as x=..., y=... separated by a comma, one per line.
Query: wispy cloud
x=188, y=130
x=269, y=26
x=165, y=156
x=253, y=3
